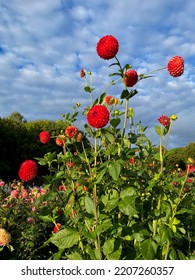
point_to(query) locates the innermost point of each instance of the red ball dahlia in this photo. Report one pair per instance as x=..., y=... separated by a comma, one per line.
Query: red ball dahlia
x=164, y=120
x=98, y=116
x=44, y=137
x=131, y=78
x=175, y=66
x=28, y=170
x=71, y=131
x=107, y=47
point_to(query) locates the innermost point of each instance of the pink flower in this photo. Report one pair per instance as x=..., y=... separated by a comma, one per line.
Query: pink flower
x=24, y=194
x=30, y=220
x=190, y=180
x=2, y=183
x=15, y=193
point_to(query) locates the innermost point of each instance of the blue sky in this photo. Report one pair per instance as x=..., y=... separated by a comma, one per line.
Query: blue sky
x=44, y=44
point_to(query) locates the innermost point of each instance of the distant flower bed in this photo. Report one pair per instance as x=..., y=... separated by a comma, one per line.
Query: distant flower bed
x=107, y=194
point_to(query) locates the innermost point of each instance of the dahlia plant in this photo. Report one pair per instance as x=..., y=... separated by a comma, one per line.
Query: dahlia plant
x=108, y=194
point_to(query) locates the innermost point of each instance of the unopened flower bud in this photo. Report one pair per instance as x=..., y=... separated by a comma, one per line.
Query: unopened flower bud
x=173, y=117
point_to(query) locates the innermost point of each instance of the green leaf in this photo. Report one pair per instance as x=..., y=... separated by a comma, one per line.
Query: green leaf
x=46, y=219
x=128, y=66
x=104, y=226
x=102, y=98
x=115, y=122
x=165, y=234
x=108, y=246
x=87, y=89
x=129, y=191
x=110, y=137
x=74, y=256
x=88, y=129
x=114, y=170
x=173, y=255
x=181, y=255
x=89, y=205
x=148, y=249
x=158, y=130
x=59, y=174
x=125, y=94
x=100, y=176
x=111, y=204
x=95, y=102
x=65, y=238
x=127, y=206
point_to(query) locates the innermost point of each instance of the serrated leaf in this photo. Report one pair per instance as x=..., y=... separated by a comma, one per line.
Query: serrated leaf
x=110, y=137
x=148, y=249
x=89, y=205
x=100, y=176
x=114, y=170
x=111, y=204
x=65, y=238
x=127, y=206
x=108, y=246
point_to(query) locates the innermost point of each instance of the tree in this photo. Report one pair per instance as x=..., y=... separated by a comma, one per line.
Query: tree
x=17, y=117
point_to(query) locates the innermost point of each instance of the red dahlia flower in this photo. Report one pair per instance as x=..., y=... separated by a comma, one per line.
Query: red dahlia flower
x=110, y=100
x=107, y=47
x=60, y=140
x=71, y=131
x=57, y=227
x=44, y=137
x=164, y=120
x=175, y=66
x=98, y=116
x=131, y=78
x=190, y=168
x=28, y=170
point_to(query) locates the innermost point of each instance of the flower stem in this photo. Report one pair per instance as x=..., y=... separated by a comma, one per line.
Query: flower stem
x=161, y=155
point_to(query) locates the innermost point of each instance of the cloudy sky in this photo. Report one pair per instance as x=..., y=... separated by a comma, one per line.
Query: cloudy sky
x=44, y=44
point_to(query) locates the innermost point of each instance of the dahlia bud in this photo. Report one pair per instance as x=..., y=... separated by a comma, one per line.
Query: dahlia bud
x=82, y=73
x=173, y=117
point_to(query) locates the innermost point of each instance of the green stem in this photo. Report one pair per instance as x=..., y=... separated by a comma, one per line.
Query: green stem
x=125, y=118
x=153, y=71
x=167, y=139
x=161, y=155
